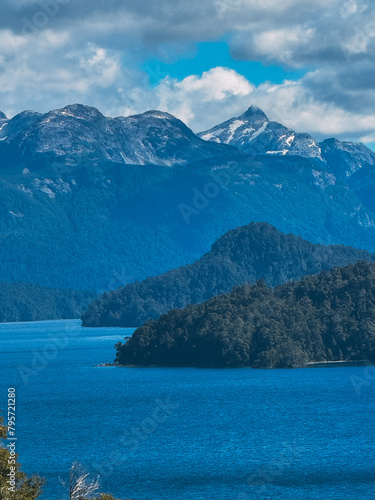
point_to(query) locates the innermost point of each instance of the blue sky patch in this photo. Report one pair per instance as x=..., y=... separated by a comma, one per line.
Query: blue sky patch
x=210, y=55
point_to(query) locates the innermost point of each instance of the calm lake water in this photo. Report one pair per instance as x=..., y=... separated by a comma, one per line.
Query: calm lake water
x=189, y=434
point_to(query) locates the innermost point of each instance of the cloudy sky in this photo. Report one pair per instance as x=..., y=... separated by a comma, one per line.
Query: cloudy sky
x=308, y=65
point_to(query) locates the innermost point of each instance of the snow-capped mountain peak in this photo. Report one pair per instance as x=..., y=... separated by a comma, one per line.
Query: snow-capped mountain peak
x=238, y=131
x=255, y=112
x=253, y=133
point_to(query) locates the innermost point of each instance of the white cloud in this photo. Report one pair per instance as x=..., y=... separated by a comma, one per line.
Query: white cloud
x=292, y=104
x=206, y=98
x=98, y=66
x=351, y=7
x=282, y=43
x=48, y=72
x=219, y=94
x=90, y=51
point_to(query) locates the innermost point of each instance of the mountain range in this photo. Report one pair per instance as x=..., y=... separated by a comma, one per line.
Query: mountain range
x=79, y=132
x=90, y=202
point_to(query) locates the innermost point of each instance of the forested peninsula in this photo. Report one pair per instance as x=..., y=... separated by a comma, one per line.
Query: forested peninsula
x=326, y=317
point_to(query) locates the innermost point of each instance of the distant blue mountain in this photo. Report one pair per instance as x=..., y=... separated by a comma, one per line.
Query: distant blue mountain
x=91, y=202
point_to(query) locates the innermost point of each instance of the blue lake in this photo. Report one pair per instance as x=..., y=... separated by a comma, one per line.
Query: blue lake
x=189, y=434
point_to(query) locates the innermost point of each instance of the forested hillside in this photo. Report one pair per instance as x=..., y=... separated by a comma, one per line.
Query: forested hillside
x=328, y=317
x=242, y=255
x=27, y=302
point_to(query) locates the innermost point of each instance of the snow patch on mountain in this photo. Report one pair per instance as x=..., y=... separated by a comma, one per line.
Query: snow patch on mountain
x=50, y=187
x=290, y=140
x=258, y=132
x=17, y=214
x=26, y=190
x=323, y=179
x=366, y=221
x=282, y=152
x=212, y=136
x=233, y=127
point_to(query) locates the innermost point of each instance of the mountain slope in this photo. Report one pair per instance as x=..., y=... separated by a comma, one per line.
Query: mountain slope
x=242, y=255
x=97, y=227
x=74, y=214
x=328, y=317
x=346, y=158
